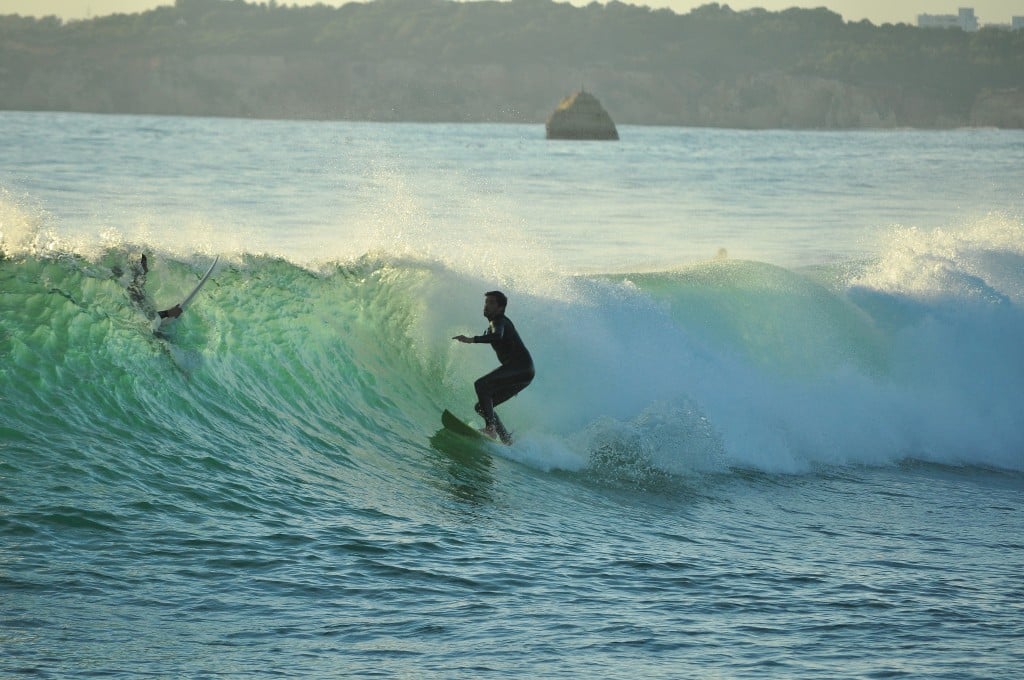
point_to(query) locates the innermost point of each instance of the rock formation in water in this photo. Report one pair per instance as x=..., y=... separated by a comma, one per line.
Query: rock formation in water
x=581, y=116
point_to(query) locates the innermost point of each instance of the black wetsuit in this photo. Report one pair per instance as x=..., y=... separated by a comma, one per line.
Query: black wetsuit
x=137, y=290
x=509, y=379
x=137, y=287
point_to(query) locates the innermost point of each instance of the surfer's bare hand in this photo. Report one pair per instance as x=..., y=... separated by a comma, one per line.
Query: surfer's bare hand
x=463, y=338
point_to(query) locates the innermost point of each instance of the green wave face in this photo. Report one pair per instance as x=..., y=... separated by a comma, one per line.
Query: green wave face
x=711, y=367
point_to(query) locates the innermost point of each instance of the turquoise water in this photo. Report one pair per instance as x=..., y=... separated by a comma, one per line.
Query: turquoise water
x=802, y=459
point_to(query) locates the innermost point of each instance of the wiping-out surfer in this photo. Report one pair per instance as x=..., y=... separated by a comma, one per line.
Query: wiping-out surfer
x=514, y=374
x=137, y=292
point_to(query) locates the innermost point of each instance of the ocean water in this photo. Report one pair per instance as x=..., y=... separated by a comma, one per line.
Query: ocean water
x=777, y=428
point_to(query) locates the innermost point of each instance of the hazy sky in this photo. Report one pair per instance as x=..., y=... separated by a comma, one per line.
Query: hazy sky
x=875, y=11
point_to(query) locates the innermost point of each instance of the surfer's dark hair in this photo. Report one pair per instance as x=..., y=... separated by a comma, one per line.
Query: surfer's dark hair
x=499, y=296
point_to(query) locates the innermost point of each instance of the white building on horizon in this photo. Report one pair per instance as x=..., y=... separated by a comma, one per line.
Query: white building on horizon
x=965, y=20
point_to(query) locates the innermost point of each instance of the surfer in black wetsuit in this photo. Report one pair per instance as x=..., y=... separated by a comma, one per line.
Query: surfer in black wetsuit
x=515, y=372
x=136, y=291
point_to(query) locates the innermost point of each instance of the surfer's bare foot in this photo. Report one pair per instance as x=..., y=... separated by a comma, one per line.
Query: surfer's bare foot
x=489, y=431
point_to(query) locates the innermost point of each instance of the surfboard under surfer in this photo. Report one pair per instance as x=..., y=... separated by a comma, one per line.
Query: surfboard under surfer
x=514, y=374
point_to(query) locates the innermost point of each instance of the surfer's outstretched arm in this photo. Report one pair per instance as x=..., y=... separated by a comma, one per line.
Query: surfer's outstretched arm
x=172, y=313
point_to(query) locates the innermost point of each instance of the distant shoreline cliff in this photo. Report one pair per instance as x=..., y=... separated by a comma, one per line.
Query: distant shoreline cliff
x=434, y=61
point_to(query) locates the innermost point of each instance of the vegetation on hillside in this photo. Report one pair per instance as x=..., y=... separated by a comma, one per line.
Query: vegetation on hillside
x=512, y=61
